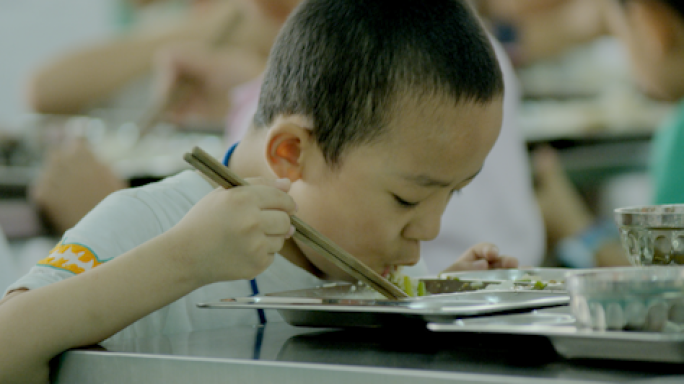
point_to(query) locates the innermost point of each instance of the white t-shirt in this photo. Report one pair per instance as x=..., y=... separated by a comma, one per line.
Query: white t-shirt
x=129, y=218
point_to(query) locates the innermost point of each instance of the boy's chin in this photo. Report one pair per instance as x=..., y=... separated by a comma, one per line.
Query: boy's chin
x=343, y=277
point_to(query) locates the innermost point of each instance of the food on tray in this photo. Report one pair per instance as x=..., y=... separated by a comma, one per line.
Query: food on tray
x=425, y=287
x=538, y=283
x=412, y=287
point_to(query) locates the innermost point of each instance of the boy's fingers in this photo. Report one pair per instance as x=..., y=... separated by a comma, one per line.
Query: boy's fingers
x=274, y=244
x=480, y=264
x=505, y=262
x=268, y=198
x=282, y=184
x=275, y=223
x=509, y=262
x=467, y=265
x=487, y=251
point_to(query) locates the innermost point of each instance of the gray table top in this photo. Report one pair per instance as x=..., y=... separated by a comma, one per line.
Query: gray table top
x=278, y=348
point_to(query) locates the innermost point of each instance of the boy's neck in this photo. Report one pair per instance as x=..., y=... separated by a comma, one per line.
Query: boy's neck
x=248, y=161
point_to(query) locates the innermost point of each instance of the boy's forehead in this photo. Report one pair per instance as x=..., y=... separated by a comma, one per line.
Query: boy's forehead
x=441, y=118
x=433, y=137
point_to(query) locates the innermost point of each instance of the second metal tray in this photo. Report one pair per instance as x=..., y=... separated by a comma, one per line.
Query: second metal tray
x=557, y=324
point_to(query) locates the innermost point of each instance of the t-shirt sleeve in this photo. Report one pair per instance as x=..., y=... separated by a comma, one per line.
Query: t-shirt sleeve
x=38, y=277
x=118, y=224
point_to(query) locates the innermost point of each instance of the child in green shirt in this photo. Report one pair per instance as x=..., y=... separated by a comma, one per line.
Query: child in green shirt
x=653, y=33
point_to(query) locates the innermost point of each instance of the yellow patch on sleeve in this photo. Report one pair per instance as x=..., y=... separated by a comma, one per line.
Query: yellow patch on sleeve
x=73, y=258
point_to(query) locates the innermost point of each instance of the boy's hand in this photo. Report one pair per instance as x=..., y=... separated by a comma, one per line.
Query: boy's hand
x=482, y=256
x=233, y=234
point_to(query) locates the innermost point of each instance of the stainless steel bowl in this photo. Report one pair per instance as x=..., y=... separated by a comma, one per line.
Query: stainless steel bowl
x=628, y=298
x=652, y=234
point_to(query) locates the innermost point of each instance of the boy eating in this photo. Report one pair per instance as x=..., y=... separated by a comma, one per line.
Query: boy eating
x=372, y=114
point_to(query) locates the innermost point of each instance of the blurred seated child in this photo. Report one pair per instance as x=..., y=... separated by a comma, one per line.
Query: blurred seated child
x=370, y=149
x=653, y=33
x=93, y=76
x=575, y=237
x=73, y=180
x=534, y=30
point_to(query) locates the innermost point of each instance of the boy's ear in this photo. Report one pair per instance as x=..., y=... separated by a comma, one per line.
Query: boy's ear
x=287, y=147
x=657, y=24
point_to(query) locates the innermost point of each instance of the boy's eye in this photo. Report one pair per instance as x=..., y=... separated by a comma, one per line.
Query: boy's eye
x=403, y=202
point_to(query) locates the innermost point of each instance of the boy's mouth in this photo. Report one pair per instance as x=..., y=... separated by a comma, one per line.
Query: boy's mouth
x=390, y=269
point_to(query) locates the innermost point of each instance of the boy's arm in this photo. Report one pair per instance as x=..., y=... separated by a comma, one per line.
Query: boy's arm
x=202, y=248
x=12, y=294
x=39, y=324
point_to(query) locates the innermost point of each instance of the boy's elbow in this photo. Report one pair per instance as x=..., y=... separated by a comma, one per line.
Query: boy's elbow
x=15, y=375
x=15, y=369
x=18, y=362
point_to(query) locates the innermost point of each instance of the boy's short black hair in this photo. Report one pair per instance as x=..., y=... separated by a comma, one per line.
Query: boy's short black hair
x=344, y=63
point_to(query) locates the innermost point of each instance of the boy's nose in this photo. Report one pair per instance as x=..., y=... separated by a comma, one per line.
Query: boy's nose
x=426, y=227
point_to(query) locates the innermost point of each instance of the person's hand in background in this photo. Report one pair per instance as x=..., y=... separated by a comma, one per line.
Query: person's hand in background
x=195, y=80
x=482, y=256
x=73, y=182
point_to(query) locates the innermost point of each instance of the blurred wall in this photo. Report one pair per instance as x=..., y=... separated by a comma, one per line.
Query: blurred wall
x=32, y=31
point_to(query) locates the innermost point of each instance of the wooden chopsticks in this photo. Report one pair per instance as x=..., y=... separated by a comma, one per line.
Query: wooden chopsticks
x=224, y=177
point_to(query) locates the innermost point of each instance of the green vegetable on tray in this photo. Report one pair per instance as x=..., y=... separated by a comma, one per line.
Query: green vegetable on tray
x=422, y=291
x=414, y=287
x=408, y=287
x=539, y=285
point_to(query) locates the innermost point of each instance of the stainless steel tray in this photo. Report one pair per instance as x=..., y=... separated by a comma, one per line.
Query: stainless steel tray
x=344, y=305
x=558, y=325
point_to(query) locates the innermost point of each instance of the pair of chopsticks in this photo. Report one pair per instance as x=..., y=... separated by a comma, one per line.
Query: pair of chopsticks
x=224, y=177
x=183, y=89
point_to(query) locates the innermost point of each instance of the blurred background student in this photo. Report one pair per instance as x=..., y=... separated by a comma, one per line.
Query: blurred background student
x=534, y=30
x=653, y=34
x=225, y=43
x=82, y=142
